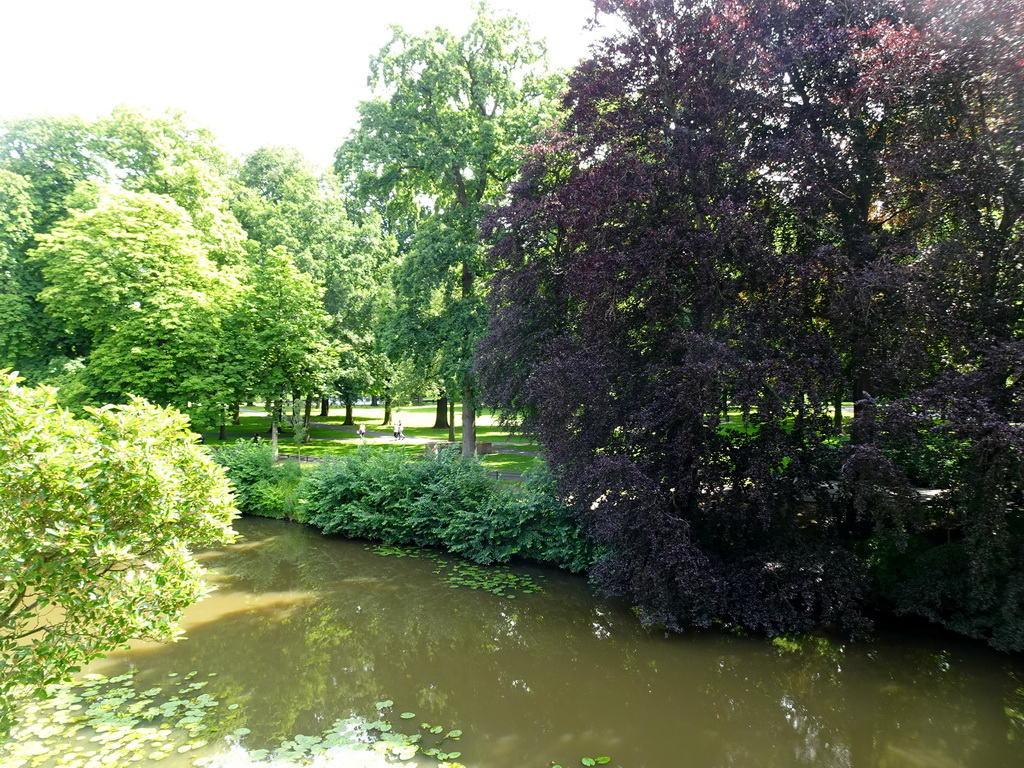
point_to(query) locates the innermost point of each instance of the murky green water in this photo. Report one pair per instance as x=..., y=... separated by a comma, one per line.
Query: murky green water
x=305, y=629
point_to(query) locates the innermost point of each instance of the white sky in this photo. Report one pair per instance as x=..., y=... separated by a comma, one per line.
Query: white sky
x=255, y=72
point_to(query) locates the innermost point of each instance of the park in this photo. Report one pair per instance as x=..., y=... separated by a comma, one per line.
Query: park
x=663, y=411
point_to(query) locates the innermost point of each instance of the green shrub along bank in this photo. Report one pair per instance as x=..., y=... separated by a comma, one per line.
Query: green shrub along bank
x=448, y=503
x=262, y=485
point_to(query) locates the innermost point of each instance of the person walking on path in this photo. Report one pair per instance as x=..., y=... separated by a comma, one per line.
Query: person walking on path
x=401, y=431
x=362, y=431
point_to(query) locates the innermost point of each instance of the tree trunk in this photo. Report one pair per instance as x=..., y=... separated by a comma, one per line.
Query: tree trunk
x=373, y=401
x=223, y=435
x=451, y=421
x=387, y=409
x=860, y=385
x=348, y=414
x=236, y=414
x=468, y=420
x=325, y=407
x=307, y=416
x=441, y=413
x=468, y=404
x=273, y=428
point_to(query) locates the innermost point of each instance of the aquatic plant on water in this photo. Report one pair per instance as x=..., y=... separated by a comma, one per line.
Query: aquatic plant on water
x=100, y=722
x=496, y=579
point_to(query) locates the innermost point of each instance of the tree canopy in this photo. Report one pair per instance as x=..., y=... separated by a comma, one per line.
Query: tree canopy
x=132, y=277
x=283, y=203
x=438, y=143
x=759, y=210
x=124, y=269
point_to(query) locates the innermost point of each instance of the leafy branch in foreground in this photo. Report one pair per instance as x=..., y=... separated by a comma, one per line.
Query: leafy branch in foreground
x=100, y=515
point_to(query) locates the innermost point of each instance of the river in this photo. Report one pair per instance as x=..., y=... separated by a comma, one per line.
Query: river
x=304, y=629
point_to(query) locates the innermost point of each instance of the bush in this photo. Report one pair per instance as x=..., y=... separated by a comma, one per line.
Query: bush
x=953, y=557
x=367, y=495
x=99, y=517
x=530, y=522
x=262, y=486
x=449, y=503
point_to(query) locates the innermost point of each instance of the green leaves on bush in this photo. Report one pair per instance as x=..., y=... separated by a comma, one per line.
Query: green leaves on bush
x=450, y=503
x=98, y=516
x=262, y=486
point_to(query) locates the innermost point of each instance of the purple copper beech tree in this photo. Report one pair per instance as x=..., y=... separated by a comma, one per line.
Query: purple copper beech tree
x=750, y=213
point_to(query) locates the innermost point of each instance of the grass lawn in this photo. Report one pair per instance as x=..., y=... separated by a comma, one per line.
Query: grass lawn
x=417, y=422
x=508, y=462
x=333, y=449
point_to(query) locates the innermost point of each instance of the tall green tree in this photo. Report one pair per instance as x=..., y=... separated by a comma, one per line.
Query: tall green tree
x=444, y=134
x=70, y=166
x=44, y=159
x=283, y=202
x=16, y=208
x=54, y=154
x=279, y=327
x=166, y=154
x=132, y=277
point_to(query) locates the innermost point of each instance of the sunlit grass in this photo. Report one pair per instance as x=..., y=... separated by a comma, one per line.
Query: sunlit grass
x=333, y=449
x=508, y=462
x=417, y=420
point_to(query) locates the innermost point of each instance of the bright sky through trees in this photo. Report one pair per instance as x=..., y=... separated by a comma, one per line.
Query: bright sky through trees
x=255, y=72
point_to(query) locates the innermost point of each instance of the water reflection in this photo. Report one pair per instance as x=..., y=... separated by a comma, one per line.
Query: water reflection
x=306, y=629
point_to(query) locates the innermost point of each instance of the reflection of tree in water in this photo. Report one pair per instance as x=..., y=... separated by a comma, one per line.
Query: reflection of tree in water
x=268, y=557
x=876, y=704
x=1014, y=709
x=561, y=674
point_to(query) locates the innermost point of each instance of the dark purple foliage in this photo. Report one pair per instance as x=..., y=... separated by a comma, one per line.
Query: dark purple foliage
x=778, y=206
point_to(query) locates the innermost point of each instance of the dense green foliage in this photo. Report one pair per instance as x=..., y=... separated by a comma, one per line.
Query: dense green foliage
x=448, y=503
x=133, y=280
x=99, y=517
x=137, y=259
x=282, y=202
x=262, y=485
